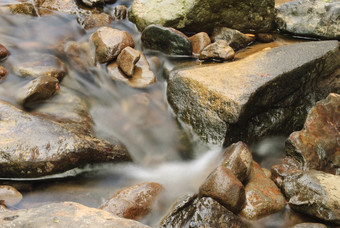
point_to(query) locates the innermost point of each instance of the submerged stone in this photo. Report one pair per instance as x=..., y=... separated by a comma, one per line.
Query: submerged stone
x=65, y=214
x=200, y=15
x=134, y=202
x=167, y=40
x=315, y=18
x=238, y=100
x=79, y=55
x=89, y=21
x=314, y=193
x=33, y=146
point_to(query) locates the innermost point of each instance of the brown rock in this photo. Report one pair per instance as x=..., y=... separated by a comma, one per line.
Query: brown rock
x=286, y=167
x=39, y=89
x=26, y=8
x=127, y=60
x=142, y=77
x=235, y=39
x=9, y=196
x=109, y=42
x=3, y=72
x=38, y=64
x=79, y=54
x=120, y=12
x=309, y=225
x=4, y=53
x=265, y=37
x=224, y=187
x=238, y=159
x=66, y=214
x=199, y=41
x=317, y=145
x=219, y=50
x=134, y=202
x=90, y=21
x=262, y=195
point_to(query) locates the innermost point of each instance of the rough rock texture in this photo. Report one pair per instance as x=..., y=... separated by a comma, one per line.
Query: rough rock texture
x=4, y=53
x=234, y=38
x=201, y=15
x=134, y=202
x=219, y=50
x=317, y=145
x=224, y=187
x=309, y=225
x=66, y=214
x=3, y=72
x=9, y=196
x=41, y=88
x=141, y=78
x=109, y=42
x=92, y=2
x=33, y=146
x=25, y=8
x=89, y=21
x=314, y=193
x=238, y=159
x=127, y=60
x=262, y=195
x=199, y=41
x=120, y=12
x=67, y=6
x=201, y=212
x=285, y=168
x=256, y=96
x=167, y=40
x=38, y=64
x=316, y=18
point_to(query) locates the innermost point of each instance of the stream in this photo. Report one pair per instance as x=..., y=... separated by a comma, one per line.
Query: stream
x=163, y=150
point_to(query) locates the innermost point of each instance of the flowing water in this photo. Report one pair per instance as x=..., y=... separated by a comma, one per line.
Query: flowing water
x=162, y=151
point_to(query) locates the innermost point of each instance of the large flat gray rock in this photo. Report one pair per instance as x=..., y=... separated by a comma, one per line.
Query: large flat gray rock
x=202, y=15
x=220, y=100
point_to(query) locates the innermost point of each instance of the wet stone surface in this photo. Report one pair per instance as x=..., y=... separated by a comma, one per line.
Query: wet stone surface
x=235, y=39
x=4, y=53
x=219, y=50
x=9, y=196
x=199, y=41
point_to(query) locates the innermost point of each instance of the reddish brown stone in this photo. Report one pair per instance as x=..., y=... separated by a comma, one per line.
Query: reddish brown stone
x=3, y=72
x=199, y=41
x=4, y=53
x=127, y=60
x=224, y=187
x=262, y=195
x=134, y=202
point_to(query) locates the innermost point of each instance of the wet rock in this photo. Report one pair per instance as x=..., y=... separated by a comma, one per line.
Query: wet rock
x=66, y=214
x=314, y=193
x=267, y=173
x=67, y=6
x=199, y=41
x=134, y=202
x=38, y=64
x=92, y=2
x=120, y=12
x=201, y=212
x=315, y=18
x=224, y=187
x=199, y=15
x=167, y=40
x=89, y=21
x=243, y=105
x=3, y=72
x=35, y=146
x=317, y=145
x=79, y=55
x=4, y=53
x=127, y=60
x=109, y=42
x=41, y=88
x=265, y=37
x=141, y=78
x=25, y=8
x=219, y=50
x=262, y=195
x=285, y=168
x=234, y=38
x=9, y=196
x=238, y=159
x=309, y=225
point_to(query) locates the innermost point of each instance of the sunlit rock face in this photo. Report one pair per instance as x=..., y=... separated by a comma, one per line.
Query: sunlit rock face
x=260, y=95
x=200, y=15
